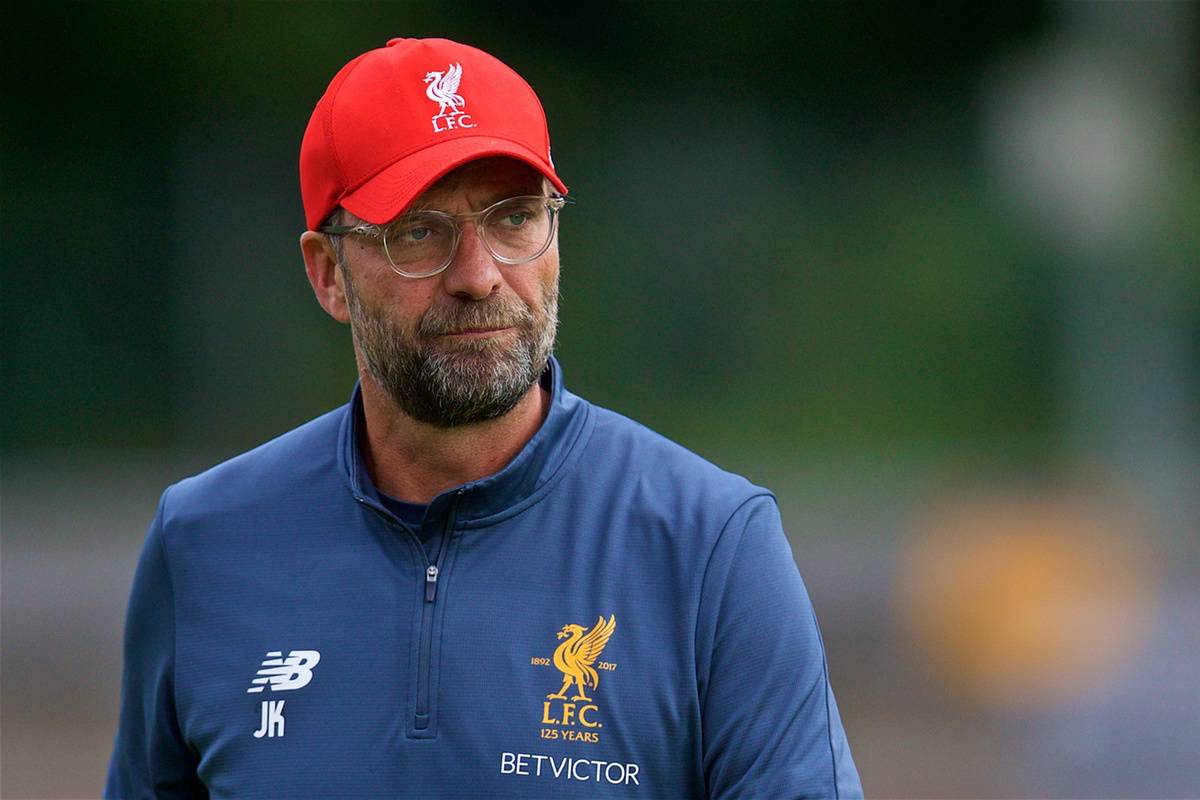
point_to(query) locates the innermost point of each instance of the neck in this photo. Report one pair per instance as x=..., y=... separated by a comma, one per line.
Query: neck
x=415, y=461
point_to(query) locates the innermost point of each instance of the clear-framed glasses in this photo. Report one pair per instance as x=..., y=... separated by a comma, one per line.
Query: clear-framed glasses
x=423, y=243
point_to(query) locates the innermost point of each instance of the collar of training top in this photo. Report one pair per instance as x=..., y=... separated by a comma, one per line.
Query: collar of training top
x=545, y=458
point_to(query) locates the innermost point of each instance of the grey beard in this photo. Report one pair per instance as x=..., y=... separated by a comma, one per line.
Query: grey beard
x=475, y=380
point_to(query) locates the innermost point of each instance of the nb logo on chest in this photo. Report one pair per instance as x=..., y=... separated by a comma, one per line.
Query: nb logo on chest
x=281, y=675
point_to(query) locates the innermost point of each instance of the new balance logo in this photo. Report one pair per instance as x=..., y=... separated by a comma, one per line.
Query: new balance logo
x=282, y=674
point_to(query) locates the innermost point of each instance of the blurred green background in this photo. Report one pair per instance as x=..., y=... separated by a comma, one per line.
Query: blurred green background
x=927, y=270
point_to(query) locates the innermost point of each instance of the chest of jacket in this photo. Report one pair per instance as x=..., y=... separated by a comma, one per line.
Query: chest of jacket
x=552, y=654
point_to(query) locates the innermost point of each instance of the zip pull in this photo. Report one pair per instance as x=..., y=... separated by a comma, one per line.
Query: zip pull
x=430, y=583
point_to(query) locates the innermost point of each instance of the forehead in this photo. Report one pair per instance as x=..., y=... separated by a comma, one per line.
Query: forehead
x=482, y=183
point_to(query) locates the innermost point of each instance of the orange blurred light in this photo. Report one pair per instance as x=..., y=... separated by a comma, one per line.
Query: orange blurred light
x=1020, y=599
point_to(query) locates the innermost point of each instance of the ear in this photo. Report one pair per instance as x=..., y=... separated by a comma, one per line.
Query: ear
x=320, y=262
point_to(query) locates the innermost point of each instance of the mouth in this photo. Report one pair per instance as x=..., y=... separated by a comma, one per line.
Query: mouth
x=476, y=333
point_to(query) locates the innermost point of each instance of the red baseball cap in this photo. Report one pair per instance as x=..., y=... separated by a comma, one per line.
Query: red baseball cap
x=397, y=118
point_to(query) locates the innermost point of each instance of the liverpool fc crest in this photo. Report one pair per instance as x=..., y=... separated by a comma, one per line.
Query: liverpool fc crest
x=574, y=657
x=442, y=88
x=571, y=715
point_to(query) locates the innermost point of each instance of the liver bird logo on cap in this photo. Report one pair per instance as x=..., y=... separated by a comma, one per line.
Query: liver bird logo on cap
x=575, y=657
x=443, y=90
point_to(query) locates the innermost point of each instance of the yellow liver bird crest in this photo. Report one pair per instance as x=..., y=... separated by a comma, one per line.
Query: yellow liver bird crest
x=575, y=656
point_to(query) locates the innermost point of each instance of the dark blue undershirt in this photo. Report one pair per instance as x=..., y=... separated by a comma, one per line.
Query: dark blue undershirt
x=411, y=514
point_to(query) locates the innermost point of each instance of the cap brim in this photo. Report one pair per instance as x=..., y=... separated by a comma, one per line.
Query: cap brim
x=386, y=195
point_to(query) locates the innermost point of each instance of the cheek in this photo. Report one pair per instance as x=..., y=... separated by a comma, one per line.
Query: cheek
x=396, y=296
x=388, y=304
x=542, y=282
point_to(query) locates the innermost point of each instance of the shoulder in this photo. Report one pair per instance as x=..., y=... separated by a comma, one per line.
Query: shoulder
x=667, y=474
x=285, y=466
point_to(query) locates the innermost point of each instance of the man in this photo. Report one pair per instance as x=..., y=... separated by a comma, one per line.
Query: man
x=467, y=581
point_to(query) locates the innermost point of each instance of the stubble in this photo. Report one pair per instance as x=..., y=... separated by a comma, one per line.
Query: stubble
x=448, y=382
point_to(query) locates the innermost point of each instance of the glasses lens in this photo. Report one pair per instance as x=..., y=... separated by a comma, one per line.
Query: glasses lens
x=419, y=243
x=518, y=229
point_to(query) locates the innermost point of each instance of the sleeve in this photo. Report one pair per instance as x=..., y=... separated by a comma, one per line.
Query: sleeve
x=770, y=723
x=150, y=756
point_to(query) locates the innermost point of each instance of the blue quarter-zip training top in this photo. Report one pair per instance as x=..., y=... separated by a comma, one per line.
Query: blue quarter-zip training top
x=608, y=616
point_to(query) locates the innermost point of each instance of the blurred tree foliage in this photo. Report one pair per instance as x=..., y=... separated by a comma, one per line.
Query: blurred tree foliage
x=782, y=234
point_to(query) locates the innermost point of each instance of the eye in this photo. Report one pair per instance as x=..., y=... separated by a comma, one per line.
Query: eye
x=411, y=232
x=414, y=234
x=516, y=214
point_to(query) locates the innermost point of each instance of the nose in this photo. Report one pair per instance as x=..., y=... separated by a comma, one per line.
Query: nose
x=473, y=273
